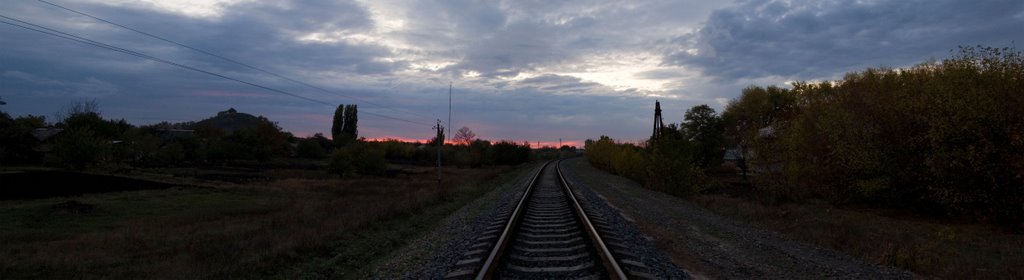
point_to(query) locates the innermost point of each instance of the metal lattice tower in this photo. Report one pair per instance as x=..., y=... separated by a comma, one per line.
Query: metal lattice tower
x=658, y=124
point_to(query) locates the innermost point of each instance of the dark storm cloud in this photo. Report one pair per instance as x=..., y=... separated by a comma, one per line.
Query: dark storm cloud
x=821, y=39
x=37, y=68
x=559, y=83
x=521, y=69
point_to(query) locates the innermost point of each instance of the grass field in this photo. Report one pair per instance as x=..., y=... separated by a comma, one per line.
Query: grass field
x=308, y=226
x=926, y=246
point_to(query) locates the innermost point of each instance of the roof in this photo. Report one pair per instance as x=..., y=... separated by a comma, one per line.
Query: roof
x=42, y=134
x=732, y=154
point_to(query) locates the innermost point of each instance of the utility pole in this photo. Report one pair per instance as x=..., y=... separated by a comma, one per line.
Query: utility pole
x=558, y=151
x=440, y=144
x=450, y=106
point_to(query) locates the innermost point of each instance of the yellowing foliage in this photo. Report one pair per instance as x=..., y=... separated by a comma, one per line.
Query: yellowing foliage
x=944, y=137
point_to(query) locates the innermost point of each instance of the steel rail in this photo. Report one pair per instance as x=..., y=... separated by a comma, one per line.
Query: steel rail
x=513, y=222
x=608, y=260
x=614, y=270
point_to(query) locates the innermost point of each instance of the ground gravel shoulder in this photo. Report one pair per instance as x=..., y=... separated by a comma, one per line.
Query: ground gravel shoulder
x=707, y=245
x=434, y=254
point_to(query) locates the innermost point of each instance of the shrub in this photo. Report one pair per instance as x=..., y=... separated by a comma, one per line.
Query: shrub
x=359, y=158
x=666, y=165
x=310, y=148
x=79, y=148
x=942, y=137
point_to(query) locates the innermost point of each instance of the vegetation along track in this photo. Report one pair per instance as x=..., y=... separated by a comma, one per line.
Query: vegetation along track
x=548, y=235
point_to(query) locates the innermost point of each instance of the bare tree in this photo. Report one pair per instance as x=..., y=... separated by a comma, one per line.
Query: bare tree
x=79, y=108
x=464, y=136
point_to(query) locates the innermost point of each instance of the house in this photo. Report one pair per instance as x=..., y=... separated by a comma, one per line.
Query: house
x=732, y=157
x=170, y=134
x=45, y=138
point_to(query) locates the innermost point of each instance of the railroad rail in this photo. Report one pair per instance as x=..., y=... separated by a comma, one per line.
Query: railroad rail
x=548, y=235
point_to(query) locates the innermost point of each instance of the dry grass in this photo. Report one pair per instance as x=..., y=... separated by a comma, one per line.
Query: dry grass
x=930, y=248
x=234, y=231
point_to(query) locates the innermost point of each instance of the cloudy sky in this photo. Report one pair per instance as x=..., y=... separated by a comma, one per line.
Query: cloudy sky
x=521, y=69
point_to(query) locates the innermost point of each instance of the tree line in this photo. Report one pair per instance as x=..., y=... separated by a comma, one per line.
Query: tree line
x=943, y=138
x=674, y=162
x=82, y=138
x=351, y=154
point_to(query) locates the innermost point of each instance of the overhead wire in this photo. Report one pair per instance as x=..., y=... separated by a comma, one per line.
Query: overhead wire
x=227, y=59
x=79, y=39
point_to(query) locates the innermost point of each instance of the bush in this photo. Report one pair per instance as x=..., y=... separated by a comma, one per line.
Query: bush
x=359, y=158
x=16, y=138
x=79, y=148
x=510, y=153
x=310, y=148
x=666, y=165
x=941, y=137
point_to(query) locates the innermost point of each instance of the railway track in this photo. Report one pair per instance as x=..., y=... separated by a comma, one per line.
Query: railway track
x=548, y=235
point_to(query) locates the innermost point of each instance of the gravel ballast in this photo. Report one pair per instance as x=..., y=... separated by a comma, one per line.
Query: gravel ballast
x=435, y=253
x=707, y=245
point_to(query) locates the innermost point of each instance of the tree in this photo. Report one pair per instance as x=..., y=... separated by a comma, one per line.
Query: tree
x=339, y=124
x=464, y=136
x=344, y=129
x=79, y=147
x=309, y=148
x=705, y=129
x=16, y=139
x=757, y=110
x=357, y=158
x=350, y=129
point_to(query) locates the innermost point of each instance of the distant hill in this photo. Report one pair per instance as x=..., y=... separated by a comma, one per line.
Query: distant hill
x=231, y=120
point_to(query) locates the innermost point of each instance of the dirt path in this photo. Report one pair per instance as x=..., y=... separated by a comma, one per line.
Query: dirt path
x=710, y=246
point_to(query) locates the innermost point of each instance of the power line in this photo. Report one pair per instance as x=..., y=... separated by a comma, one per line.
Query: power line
x=72, y=37
x=226, y=58
x=61, y=34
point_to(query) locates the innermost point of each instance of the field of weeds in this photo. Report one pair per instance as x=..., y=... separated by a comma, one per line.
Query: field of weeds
x=309, y=226
x=926, y=246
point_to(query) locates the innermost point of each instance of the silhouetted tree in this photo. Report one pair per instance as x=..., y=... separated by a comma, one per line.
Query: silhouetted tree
x=350, y=129
x=338, y=125
x=464, y=136
x=705, y=130
x=344, y=129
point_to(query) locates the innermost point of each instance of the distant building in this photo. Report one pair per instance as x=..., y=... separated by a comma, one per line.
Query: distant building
x=731, y=158
x=45, y=138
x=171, y=134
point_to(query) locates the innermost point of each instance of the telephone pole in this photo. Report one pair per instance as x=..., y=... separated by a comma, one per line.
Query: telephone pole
x=450, y=106
x=558, y=151
x=440, y=144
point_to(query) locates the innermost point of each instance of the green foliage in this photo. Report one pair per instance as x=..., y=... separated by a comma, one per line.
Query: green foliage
x=350, y=130
x=509, y=153
x=310, y=148
x=461, y=158
x=398, y=150
x=262, y=142
x=344, y=129
x=943, y=137
x=79, y=148
x=481, y=153
x=666, y=165
x=705, y=130
x=16, y=139
x=338, y=122
x=359, y=158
